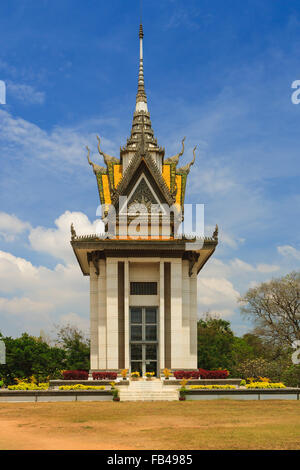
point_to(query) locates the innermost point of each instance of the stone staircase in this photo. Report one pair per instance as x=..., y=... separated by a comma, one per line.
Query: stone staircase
x=148, y=390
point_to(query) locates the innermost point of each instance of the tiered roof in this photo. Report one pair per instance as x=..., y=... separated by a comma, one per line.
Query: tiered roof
x=141, y=147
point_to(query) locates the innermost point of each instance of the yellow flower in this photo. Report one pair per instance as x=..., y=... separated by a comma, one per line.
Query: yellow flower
x=212, y=387
x=81, y=387
x=135, y=374
x=183, y=383
x=265, y=385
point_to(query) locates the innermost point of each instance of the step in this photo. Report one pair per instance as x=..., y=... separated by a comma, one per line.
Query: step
x=147, y=394
x=148, y=391
x=149, y=397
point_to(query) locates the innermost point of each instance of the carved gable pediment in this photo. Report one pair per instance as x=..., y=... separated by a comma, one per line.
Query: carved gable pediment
x=143, y=198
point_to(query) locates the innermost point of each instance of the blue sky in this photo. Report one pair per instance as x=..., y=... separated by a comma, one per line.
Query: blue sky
x=219, y=73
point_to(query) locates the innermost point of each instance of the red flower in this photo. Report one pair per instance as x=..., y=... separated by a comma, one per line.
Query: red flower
x=104, y=375
x=75, y=375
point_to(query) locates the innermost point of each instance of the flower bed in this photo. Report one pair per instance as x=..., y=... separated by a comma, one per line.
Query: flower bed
x=149, y=375
x=213, y=374
x=211, y=387
x=75, y=374
x=201, y=373
x=186, y=374
x=105, y=375
x=81, y=387
x=29, y=386
x=135, y=375
x=265, y=385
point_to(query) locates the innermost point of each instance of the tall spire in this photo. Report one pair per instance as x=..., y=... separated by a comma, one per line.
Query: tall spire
x=141, y=98
x=142, y=135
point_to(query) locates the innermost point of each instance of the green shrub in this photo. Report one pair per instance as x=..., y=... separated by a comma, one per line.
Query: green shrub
x=260, y=367
x=291, y=376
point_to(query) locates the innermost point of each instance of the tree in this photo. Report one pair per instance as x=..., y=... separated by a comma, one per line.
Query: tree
x=257, y=345
x=76, y=347
x=241, y=350
x=260, y=367
x=274, y=308
x=27, y=356
x=268, y=350
x=215, y=341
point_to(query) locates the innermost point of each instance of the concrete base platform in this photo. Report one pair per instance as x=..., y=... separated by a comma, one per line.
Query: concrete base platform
x=23, y=396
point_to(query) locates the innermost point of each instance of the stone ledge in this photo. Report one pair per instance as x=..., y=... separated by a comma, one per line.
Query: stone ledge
x=4, y=393
x=42, y=396
x=174, y=381
x=239, y=391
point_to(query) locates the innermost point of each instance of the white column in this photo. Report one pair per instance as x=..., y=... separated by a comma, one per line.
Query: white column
x=162, y=315
x=112, y=313
x=93, y=317
x=193, y=322
x=102, y=364
x=126, y=312
x=176, y=314
x=186, y=309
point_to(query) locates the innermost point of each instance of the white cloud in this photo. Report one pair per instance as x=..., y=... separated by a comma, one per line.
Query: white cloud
x=225, y=238
x=217, y=296
x=75, y=320
x=236, y=268
x=267, y=268
x=57, y=286
x=11, y=226
x=56, y=242
x=287, y=250
x=23, y=306
x=25, y=93
x=191, y=18
x=239, y=266
x=34, y=297
x=39, y=296
x=61, y=146
x=220, y=283
x=213, y=180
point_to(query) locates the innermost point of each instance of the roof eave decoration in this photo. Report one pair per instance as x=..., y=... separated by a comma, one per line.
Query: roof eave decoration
x=207, y=250
x=152, y=167
x=175, y=159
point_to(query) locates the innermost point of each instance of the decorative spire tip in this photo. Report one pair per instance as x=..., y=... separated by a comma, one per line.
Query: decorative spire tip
x=141, y=33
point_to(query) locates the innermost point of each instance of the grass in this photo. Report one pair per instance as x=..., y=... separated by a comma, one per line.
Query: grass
x=216, y=424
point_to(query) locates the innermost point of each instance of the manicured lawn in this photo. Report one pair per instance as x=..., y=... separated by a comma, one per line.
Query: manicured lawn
x=187, y=425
